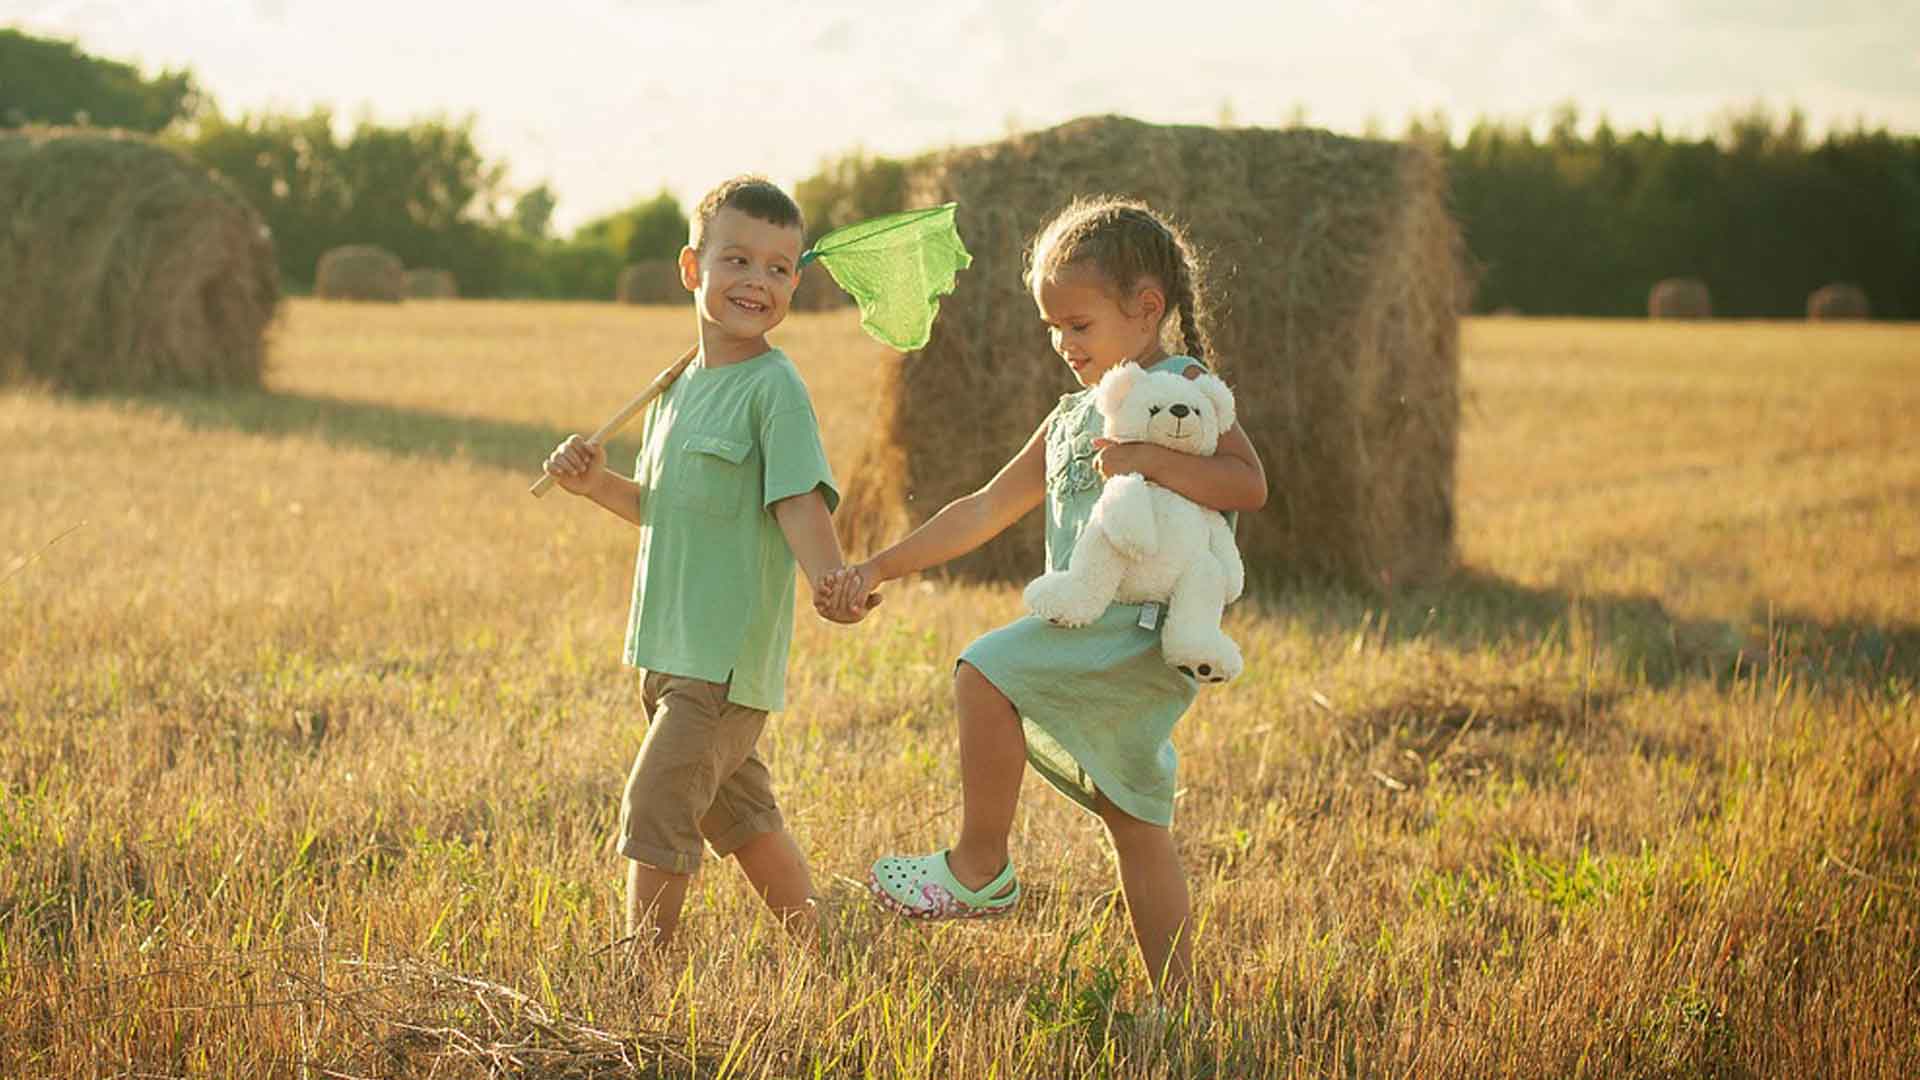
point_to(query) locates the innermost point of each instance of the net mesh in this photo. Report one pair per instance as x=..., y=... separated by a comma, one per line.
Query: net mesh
x=896, y=267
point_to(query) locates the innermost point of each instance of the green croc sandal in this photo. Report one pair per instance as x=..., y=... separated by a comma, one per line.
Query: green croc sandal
x=923, y=887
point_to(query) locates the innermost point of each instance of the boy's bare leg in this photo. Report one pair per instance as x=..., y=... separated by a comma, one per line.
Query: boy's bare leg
x=654, y=900
x=1155, y=886
x=993, y=759
x=775, y=866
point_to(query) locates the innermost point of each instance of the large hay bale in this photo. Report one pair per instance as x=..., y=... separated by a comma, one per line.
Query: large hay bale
x=818, y=291
x=1839, y=301
x=651, y=281
x=426, y=283
x=1336, y=274
x=125, y=265
x=1680, y=298
x=360, y=272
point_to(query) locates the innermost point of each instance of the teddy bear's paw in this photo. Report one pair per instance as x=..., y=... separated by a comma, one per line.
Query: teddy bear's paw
x=1060, y=599
x=1220, y=662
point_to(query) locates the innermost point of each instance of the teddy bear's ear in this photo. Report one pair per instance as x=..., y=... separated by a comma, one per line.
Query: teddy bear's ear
x=1114, y=387
x=1216, y=390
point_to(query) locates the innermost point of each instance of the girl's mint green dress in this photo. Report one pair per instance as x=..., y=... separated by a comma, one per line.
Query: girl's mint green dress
x=1098, y=703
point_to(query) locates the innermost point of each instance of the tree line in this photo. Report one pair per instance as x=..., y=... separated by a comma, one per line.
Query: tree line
x=1572, y=222
x=1585, y=224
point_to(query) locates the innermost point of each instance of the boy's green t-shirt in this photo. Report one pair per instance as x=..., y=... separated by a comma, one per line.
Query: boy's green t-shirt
x=713, y=582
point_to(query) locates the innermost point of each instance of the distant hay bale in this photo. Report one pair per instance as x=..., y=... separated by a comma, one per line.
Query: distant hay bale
x=1336, y=273
x=425, y=283
x=360, y=272
x=651, y=281
x=1680, y=298
x=124, y=265
x=1839, y=301
x=818, y=291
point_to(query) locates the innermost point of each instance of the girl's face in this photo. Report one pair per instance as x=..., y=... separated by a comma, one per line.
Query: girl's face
x=1090, y=328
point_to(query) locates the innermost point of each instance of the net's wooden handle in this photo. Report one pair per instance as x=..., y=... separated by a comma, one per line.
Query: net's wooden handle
x=627, y=412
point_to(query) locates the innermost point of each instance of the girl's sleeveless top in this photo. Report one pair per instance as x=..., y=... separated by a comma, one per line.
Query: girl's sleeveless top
x=1097, y=702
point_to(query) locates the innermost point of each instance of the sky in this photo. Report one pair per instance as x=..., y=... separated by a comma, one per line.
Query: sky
x=611, y=101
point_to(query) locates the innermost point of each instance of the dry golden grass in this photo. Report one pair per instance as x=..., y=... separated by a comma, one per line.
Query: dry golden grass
x=313, y=730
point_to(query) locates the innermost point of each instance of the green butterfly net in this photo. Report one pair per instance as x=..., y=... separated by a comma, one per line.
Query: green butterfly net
x=897, y=267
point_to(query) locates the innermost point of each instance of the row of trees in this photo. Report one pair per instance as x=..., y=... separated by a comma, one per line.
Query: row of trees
x=1584, y=224
x=1573, y=222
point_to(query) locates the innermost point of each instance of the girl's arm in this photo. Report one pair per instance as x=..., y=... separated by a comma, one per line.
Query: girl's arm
x=1231, y=480
x=969, y=521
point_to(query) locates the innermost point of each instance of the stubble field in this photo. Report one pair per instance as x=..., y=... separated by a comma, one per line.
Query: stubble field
x=312, y=728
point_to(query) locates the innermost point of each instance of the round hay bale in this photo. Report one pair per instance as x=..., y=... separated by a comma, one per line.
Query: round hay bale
x=125, y=265
x=1336, y=276
x=360, y=272
x=651, y=281
x=1839, y=301
x=818, y=291
x=425, y=283
x=1680, y=298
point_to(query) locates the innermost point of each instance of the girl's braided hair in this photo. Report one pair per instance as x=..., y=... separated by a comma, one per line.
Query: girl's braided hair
x=1126, y=241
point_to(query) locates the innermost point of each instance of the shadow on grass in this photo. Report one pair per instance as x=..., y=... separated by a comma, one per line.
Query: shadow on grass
x=418, y=433
x=1473, y=609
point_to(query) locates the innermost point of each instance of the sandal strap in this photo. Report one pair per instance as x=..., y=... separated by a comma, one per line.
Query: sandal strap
x=986, y=895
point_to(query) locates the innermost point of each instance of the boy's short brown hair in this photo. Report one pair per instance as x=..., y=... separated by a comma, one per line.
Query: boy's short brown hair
x=755, y=196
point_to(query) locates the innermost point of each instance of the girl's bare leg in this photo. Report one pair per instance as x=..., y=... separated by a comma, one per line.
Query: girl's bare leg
x=993, y=759
x=1155, y=886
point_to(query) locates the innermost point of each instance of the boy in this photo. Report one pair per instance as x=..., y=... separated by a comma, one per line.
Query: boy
x=731, y=488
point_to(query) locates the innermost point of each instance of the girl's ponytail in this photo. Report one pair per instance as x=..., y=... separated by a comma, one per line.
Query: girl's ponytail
x=1190, y=329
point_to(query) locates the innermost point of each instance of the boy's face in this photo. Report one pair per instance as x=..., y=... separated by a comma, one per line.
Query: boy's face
x=743, y=280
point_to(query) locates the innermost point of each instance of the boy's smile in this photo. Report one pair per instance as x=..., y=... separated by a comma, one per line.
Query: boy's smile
x=742, y=281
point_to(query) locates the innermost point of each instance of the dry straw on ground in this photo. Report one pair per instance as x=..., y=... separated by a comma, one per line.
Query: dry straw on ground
x=1336, y=277
x=426, y=283
x=360, y=272
x=1680, y=298
x=125, y=265
x=1839, y=301
x=651, y=281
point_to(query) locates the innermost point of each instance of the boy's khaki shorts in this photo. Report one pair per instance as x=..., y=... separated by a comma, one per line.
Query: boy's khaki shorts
x=696, y=777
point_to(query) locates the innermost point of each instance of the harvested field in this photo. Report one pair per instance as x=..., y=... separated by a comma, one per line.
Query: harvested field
x=314, y=744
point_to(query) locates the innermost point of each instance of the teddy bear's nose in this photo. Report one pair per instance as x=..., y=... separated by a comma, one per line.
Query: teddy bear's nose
x=1180, y=411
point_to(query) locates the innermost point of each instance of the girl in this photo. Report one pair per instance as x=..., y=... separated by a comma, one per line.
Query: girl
x=1092, y=707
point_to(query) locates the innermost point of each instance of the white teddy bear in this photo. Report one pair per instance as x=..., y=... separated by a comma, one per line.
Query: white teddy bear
x=1145, y=543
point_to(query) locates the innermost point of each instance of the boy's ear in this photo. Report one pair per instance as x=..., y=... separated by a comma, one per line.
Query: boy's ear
x=689, y=269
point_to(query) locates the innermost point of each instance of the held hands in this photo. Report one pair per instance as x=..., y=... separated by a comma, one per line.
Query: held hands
x=575, y=464
x=846, y=595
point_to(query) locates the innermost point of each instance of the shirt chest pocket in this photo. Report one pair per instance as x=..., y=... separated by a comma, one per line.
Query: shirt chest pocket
x=712, y=474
